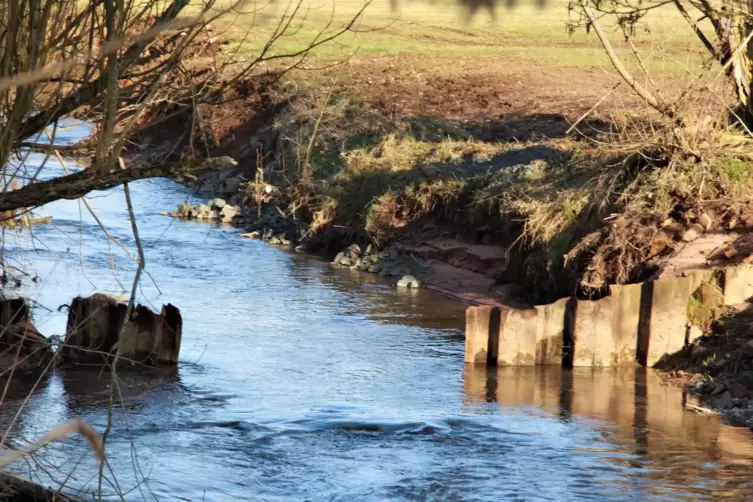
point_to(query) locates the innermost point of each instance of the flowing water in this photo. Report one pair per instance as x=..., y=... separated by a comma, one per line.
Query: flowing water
x=298, y=382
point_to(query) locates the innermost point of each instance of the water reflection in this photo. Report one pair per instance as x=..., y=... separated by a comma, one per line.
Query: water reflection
x=381, y=301
x=684, y=453
x=89, y=389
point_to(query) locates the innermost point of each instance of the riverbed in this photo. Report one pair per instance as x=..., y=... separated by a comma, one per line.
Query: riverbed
x=299, y=382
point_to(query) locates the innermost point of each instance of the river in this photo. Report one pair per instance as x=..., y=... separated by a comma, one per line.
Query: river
x=299, y=382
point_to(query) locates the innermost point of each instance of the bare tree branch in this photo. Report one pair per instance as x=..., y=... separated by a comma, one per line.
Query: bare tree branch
x=79, y=184
x=659, y=105
x=86, y=93
x=699, y=33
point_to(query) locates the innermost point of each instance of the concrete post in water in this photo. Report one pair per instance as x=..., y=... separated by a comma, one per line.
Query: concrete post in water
x=22, y=347
x=481, y=334
x=626, y=322
x=738, y=284
x=517, y=338
x=94, y=329
x=669, y=314
x=637, y=323
x=592, y=333
x=550, y=331
x=152, y=337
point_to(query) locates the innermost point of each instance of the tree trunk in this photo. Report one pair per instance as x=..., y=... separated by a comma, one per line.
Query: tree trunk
x=734, y=32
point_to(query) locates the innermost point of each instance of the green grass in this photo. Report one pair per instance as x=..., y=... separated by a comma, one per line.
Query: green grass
x=735, y=170
x=439, y=30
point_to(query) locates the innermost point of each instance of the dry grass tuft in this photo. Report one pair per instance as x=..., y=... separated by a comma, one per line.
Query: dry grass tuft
x=59, y=432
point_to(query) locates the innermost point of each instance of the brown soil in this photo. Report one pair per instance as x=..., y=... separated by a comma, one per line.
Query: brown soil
x=218, y=129
x=522, y=102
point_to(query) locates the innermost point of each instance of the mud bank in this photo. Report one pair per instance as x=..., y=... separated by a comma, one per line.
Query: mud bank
x=391, y=221
x=566, y=222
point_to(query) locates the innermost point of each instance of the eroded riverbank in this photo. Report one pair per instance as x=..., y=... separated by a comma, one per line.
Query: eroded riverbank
x=445, y=264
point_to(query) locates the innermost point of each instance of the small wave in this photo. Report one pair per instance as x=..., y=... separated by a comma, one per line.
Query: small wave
x=235, y=425
x=353, y=426
x=426, y=430
x=231, y=425
x=336, y=420
x=350, y=425
x=212, y=400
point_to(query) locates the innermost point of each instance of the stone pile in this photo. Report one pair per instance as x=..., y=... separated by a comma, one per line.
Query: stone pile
x=387, y=263
x=731, y=399
x=214, y=210
x=270, y=226
x=268, y=236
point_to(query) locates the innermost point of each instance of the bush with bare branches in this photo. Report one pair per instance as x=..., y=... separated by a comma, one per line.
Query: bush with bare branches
x=724, y=29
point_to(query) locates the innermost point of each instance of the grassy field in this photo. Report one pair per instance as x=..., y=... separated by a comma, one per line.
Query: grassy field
x=441, y=32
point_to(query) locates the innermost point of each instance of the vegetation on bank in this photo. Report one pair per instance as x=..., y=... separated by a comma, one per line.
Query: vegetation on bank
x=576, y=214
x=575, y=174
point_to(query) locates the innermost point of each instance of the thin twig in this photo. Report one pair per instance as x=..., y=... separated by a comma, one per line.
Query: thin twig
x=126, y=320
x=590, y=110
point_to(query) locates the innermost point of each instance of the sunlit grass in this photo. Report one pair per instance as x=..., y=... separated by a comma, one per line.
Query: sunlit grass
x=441, y=30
